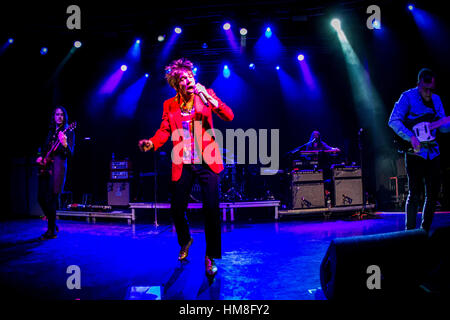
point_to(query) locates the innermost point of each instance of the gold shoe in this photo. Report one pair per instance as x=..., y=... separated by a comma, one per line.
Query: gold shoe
x=210, y=267
x=48, y=235
x=185, y=250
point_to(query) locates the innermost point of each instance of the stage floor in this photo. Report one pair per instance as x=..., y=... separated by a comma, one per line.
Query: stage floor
x=261, y=260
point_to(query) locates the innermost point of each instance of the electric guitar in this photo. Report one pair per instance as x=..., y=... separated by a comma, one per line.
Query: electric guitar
x=422, y=128
x=48, y=159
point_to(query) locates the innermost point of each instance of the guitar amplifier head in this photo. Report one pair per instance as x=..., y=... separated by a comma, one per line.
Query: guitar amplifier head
x=120, y=175
x=306, y=176
x=341, y=172
x=120, y=165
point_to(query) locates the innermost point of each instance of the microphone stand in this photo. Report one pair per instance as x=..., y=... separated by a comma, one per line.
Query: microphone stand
x=360, y=147
x=155, y=158
x=298, y=148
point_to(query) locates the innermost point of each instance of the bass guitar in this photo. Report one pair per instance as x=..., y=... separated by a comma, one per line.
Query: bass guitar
x=48, y=159
x=422, y=128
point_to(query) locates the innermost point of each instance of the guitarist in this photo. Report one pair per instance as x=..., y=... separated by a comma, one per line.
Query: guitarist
x=422, y=160
x=53, y=169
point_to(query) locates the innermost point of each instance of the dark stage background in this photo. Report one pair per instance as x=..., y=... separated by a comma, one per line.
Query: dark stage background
x=263, y=98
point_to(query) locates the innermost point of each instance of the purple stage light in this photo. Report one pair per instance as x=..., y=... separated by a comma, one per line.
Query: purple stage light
x=226, y=26
x=123, y=67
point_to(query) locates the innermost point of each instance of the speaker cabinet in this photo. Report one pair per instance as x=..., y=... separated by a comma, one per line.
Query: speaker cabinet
x=308, y=195
x=118, y=193
x=348, y=192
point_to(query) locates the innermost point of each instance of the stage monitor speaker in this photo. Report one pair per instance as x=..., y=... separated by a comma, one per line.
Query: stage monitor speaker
x=118, y=193
x=348, y=192
x=308, y=195
x=348, y=269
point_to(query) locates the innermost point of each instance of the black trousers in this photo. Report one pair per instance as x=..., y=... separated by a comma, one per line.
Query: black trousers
x=423, y=176
x=48, y=199
x=209, y=183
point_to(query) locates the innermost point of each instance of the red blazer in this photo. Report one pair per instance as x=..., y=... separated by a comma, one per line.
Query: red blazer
x=171, y=122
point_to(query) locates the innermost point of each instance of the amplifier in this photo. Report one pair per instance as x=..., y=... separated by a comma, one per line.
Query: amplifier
x=340, y=172
x=118, y=193
x=304, y=163
x=120, y=175
x=308, y=195
x=120, y=165
x=306, y=176
x=348, y=192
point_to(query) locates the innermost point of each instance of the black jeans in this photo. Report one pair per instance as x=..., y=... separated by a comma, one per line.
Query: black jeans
x=209, y=183
x=48, y=199
x=423, y=175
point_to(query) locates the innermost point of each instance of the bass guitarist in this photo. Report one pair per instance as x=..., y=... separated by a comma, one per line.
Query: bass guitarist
x=53, y=167
x=420, y=105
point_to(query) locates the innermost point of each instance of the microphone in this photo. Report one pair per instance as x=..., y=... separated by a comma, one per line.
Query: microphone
x=202, y=96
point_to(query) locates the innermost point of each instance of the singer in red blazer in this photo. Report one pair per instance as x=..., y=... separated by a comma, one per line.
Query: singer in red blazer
x=188, y=121
x=171, y=121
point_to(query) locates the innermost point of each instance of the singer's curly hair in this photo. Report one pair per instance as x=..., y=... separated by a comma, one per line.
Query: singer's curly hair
x=175, y=68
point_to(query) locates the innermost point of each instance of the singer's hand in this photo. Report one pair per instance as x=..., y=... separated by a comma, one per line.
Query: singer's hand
x=201, y=89
x=145, y=145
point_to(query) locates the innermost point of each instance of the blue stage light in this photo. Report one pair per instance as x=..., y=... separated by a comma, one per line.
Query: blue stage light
x=146, y=75
x=252, y=66
x=301, y=57
x=161, y=38
x=226, y=71
x=194, y=71
x=138, y=41
x=226, y=26
x=178, y=30
x=10, y=40
x=44, y=51
x=376, y=24
x=277, y=67
x=410, y=7
x=77, y=44
x=268, y=32
x=243, y=32
x=123, y=67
